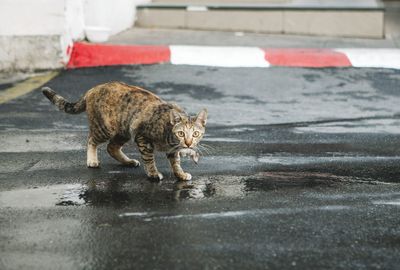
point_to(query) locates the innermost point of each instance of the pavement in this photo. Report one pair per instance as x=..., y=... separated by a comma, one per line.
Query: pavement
x=156, y=36
x=302, y=172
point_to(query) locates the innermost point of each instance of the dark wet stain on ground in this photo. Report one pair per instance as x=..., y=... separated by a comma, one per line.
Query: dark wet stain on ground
x=199, y=92
x=322, y=93
x=360, y=95
x=311, y=77
x=4, y=86
x=249, y=99
x=274, y=180
x=391, y=79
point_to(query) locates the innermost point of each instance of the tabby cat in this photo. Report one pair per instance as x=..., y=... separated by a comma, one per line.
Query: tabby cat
x=118, y=112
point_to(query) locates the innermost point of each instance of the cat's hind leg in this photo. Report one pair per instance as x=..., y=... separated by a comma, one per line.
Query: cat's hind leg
x=92, y=159
x=114, y=148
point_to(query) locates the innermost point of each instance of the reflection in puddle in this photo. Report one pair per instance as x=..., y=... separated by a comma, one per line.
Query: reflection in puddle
x=193, y=190
x=72, y=195
x=112, y=192
x=120, y=192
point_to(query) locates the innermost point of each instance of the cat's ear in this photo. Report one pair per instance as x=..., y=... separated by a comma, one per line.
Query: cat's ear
x=174, y=117
x=201, y=118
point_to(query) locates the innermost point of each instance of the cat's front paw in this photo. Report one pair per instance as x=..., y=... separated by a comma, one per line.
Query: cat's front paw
x=132, y=163
x=93, y=164
x=156, y=177
x=185, y=177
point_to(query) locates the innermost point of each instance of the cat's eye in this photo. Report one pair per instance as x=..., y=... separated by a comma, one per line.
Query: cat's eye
x=181, y=133
x=196, y=134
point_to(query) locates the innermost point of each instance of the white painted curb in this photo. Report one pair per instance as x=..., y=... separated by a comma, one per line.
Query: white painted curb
x=218, y=56
x=376, y=58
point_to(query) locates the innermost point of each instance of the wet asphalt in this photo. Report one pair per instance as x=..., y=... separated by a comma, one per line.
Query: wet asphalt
x=302, y=172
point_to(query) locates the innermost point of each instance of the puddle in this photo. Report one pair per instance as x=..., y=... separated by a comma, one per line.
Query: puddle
x=120, y=192
x=47, y=196
x=107, y=193
x=73, y=195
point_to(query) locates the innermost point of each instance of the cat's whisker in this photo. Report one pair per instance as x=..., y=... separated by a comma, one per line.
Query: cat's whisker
x=204, y=148
x=208, y=146
x=174, y=149
x=199, y=151
x=203, y=152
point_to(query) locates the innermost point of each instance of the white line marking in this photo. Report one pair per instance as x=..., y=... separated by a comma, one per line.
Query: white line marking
x=134, y=214
x=234, y=214
x=218, y=56
x=396, y=202
x=377, y=58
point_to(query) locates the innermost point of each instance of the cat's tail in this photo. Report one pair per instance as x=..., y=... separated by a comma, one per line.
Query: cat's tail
x=63, y=104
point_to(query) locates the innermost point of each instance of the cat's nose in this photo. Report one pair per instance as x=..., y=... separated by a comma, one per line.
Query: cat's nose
x=188, y=142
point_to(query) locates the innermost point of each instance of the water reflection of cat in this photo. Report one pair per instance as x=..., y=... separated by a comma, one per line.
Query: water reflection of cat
x=118, y=193
x=193, y=190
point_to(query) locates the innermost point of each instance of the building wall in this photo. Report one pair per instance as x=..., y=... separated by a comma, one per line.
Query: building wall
x=39, y=34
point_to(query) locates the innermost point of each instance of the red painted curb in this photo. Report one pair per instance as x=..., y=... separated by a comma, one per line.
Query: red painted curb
x=306, y=58
x=91, y=55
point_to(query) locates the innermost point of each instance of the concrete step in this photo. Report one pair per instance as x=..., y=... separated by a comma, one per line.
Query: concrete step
x=221, y=1
x=358, y=18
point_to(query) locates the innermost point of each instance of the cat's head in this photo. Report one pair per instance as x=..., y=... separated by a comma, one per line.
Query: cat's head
x=188, y=130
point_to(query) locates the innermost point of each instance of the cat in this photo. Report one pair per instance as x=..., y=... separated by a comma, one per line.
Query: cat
x=118, y=112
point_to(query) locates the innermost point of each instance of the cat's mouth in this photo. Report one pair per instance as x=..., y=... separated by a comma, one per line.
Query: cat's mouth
x=186, y=151
x=189, y=152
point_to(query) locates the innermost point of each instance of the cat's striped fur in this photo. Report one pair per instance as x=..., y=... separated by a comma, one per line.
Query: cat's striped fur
x=118, y=112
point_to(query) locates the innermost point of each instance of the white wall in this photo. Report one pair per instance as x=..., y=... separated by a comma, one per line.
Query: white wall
x=74, y=16
x=117, y=15
x=54, y=17
x=60, y=22
x=25, y=17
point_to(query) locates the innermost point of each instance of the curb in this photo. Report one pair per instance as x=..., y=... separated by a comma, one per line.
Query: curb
x=93, y=55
